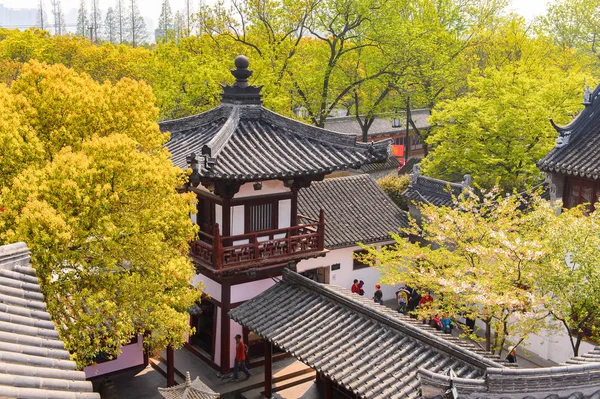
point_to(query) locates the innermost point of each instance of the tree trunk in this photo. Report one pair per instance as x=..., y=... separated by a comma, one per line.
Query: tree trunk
x=488, y=335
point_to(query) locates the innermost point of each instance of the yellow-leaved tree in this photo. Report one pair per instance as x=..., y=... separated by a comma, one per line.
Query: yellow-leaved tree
x=98, y=206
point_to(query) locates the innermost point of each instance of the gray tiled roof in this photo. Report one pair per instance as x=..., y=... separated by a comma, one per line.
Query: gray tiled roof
x=432, y=191
x=380, y=127
x=33, y=360
x=189, y=390
x=391, y=163
x=581, y=155
x=249, y=142
x=573, y=381
x=367, y=348
x=409, y=166
x=356, y=209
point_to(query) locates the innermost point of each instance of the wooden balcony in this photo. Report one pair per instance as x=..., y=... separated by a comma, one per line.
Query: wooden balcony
x=260, y=248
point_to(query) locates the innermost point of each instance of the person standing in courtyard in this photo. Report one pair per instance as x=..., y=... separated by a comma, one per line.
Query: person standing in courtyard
x=240, y=359
x=378, y=295
x=512, y=355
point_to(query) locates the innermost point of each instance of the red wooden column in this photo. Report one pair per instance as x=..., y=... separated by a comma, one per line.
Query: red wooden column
x=268, y=369
x=170, y=367
x=327, y=388
x=321, y=237
x=225, y=326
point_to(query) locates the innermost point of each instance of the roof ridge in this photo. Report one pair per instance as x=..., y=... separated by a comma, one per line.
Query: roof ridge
x=386, y=318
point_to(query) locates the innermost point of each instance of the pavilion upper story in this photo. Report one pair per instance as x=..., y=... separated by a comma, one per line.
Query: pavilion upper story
x=247, y=164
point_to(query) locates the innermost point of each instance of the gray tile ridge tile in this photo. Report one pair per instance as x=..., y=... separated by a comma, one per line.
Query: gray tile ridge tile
x=32, y=370
x=28, y=330
x=41, y=315
x=10, y=274
x=26, y=319
x=39, y=361
x=22, y=293
x=29, y=350
x=31, y=341
x=20, y=284
x=26, y=303
x=14, y=392
x=54, y=384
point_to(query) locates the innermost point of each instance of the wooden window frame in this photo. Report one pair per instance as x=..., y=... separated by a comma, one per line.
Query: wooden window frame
x=569, y=181
x=356, y=264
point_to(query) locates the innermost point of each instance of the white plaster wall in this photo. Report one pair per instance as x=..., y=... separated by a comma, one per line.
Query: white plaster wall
x=554, y=345
x=344, y=277
x=131, y=355
x=246, y=291
x=237, y=223
x=194, y=217
x=217, y=358
x=218, y=217
x=268, y=187
x=285, y=213
x=211, y=287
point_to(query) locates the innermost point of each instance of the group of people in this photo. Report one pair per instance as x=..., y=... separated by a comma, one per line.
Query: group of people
x=409, y=299
x=357, y=288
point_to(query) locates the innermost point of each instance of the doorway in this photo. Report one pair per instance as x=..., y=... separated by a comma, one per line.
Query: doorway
x=320, y=274
x=204, y=320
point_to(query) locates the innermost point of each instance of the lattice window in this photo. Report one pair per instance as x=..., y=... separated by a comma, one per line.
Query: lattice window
x=261, y=217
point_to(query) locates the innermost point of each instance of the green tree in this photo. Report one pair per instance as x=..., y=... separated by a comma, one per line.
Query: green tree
x=498, y=130
x=165, y=21
x=89, y=187
x=394, y=186
x=83, y=24
x=573, y=24
x=111, y=27
x=480, y=259
x=136, y=26
x=571, y=282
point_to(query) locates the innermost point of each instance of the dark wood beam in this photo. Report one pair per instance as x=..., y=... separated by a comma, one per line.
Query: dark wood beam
x=170, y=367
x=225, y=326
x=327, y=388
x=268, y=369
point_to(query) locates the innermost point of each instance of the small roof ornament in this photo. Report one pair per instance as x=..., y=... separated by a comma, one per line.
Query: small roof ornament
x=189, y=390
x=241, y=92
x=587, y=95
x=241, y=73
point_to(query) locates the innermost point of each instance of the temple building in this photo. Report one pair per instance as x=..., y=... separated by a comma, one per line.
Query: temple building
x=360, y=349
x=248, y=166
x=394, y=128
x=572, y=167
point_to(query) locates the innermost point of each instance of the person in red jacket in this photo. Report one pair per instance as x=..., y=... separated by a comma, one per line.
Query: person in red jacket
x=240, y=358
x=356, y=287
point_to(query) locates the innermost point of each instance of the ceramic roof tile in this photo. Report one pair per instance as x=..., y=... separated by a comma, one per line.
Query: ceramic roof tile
x=580, y=156
x=33, y=361
x=367, y=348
x=250, y=142
x=380, y=127
x=356, y=210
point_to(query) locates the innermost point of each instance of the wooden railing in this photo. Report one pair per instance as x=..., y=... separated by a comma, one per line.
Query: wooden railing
x=218, y=252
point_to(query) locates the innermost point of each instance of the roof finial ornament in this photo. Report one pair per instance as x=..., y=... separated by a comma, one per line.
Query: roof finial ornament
x=194, y=177
x=466, y=183
x=241, y=73
x=587, y=95
x=414, y=176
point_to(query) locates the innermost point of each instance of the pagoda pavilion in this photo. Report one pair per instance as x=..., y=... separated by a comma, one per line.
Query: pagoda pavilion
x=573, y=165
x=248, y=164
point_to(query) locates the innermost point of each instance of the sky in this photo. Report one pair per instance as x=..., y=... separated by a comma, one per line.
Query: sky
x=151, y=8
